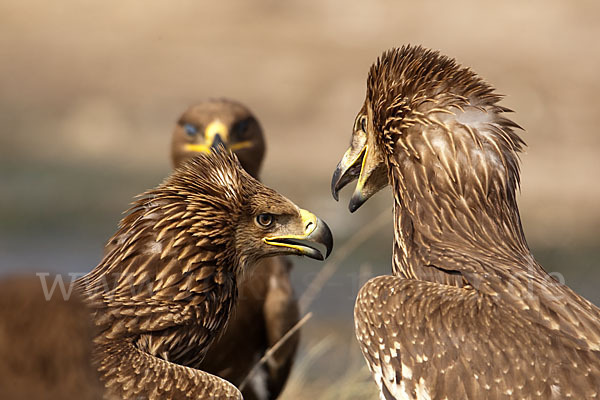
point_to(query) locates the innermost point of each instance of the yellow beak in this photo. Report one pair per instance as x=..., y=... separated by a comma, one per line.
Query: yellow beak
x=216, y=133
x=315, y=231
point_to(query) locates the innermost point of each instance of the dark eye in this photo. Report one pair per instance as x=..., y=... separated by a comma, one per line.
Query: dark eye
x=240, y=128
x=264, y=220
x=363, y=123
x=190, y=129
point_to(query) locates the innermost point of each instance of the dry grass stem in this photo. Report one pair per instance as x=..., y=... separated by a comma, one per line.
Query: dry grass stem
x=340, y=255
x=270, y=351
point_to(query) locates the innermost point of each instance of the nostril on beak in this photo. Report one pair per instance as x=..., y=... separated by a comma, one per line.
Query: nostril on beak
x=308, y=226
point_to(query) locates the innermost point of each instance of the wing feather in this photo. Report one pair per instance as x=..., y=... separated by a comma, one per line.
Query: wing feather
x=129, y=373
x=427, y=340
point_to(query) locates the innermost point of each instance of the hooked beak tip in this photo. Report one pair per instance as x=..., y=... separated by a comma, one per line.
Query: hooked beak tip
x=336, y=183
x=356, y=201
x=335, y=191
x=324, y=237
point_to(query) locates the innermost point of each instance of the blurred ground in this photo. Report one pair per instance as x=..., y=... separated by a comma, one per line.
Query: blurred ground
x=90, y=91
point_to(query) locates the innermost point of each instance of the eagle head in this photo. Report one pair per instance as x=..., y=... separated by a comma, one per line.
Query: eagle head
x=211, y=123
x=434, y=122
x=210, y=214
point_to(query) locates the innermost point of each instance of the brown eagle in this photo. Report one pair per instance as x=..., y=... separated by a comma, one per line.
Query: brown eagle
x=166, y=290
x=266, y=308
x=468, y=313
x=45, y=342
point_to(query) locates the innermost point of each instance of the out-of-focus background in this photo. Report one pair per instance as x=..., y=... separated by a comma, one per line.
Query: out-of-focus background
x=90, y=90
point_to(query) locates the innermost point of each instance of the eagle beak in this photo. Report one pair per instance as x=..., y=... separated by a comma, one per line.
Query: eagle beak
x=215, y=134
x=240, y=145
x=197, y=148
x=316, y=231
x=367, y=167
x=347, y=170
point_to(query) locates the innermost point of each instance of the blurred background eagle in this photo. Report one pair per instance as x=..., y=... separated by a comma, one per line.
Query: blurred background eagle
x=45, y=343
x=468, y=313
x=266, y=308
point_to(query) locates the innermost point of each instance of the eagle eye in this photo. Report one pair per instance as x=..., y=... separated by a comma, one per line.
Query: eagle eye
x=360, y=123
x=363, y=123
x=190, y=129
x=240, y=128
x=264, y=220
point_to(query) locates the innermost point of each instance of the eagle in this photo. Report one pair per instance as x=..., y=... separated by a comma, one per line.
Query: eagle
x=467, y=313
x=45, y=342
x=165, y=291
x=266, y=308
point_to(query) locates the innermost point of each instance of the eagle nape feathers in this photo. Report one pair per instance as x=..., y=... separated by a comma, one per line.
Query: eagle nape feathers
x=467, y=313
x=166, y=289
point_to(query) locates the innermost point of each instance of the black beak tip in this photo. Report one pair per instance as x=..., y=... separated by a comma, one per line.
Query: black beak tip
x=334, y=183
x=329, y=249
x=326, y=238
x=217, y=143
x=356, y=201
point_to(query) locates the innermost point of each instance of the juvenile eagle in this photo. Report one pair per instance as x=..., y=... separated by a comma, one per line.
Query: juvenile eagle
x=266, y=308
x=468, y=312
x=166, y=290
x=45, y=343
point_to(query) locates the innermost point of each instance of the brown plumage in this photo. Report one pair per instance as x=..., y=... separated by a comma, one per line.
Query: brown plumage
x=45, y=343
x=221, y=121
x=165, y=291
x=266, y=308
x=468, y=312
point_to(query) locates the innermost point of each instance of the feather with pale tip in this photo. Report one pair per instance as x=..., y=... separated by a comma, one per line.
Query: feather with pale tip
x=468, y=312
